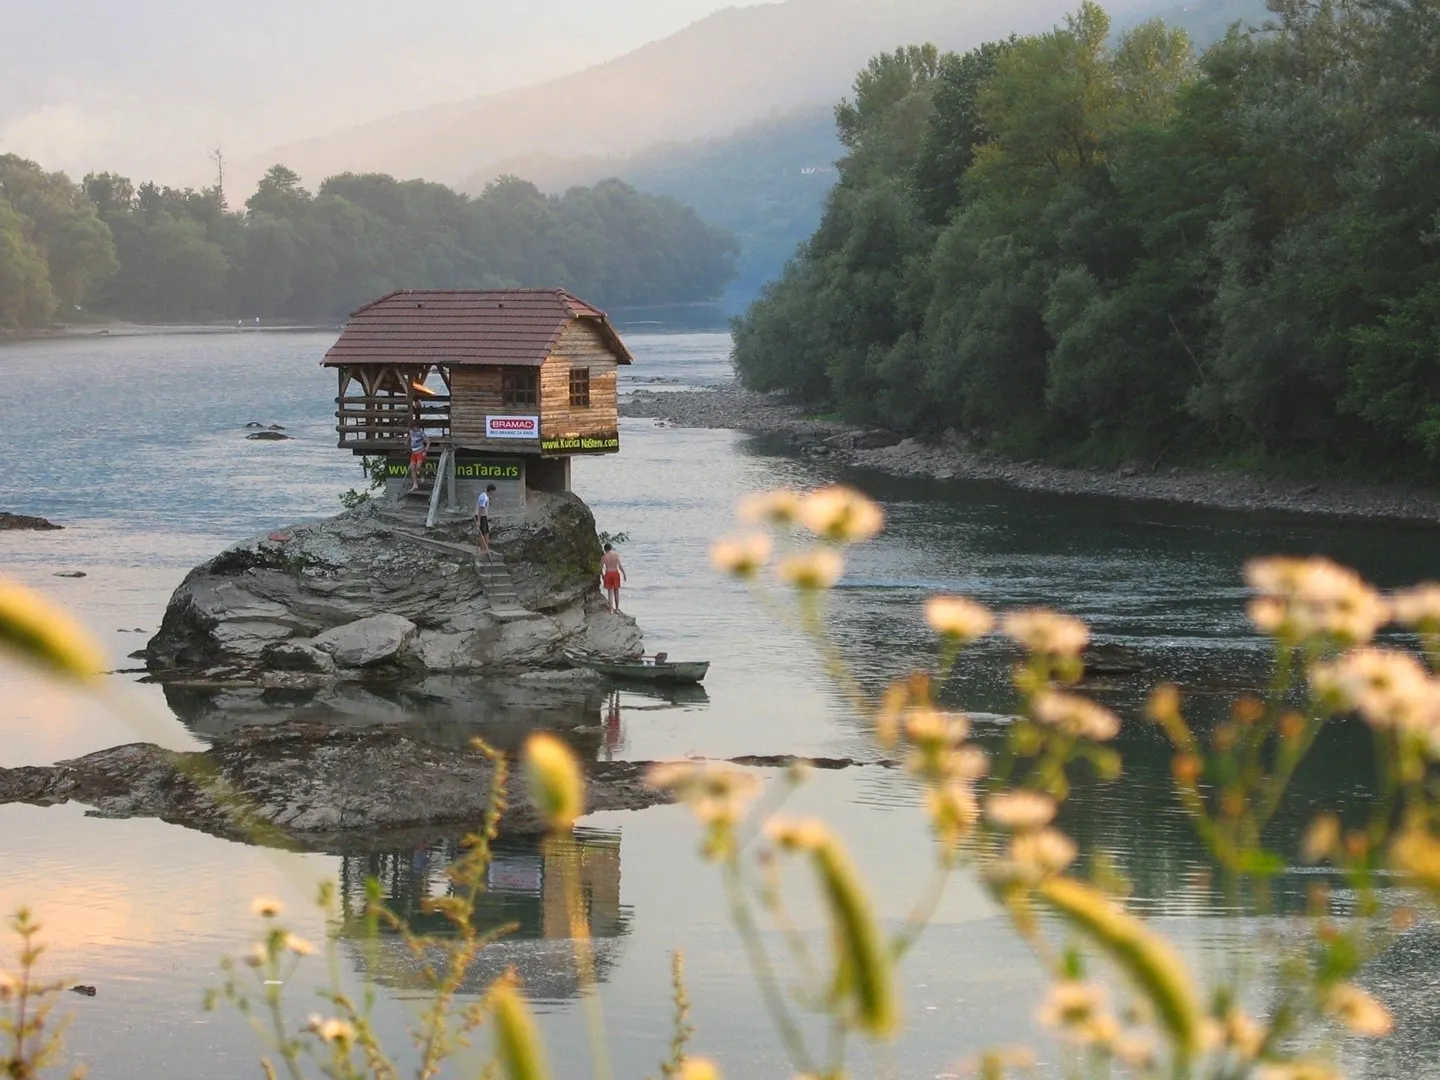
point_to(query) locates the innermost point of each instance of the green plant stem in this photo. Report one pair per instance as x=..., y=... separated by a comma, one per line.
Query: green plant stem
x=760, y=966
x=283, y=1044
x=1292, y=752
x=773, y=900
x=1389, y=783
x=924, y=910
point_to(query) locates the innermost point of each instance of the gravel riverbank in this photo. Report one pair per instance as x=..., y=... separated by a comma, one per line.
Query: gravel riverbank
x=953, y=458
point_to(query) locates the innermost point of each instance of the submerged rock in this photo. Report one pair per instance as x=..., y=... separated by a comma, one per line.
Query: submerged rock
x=308, y=787
x=376, y=600
x=25, y=521
x=267, y=436
x=1108, y=658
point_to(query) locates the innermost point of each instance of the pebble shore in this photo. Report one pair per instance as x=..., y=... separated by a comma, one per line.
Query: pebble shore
x=952, y=458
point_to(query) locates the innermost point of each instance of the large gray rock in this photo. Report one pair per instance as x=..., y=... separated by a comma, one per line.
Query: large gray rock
x=422, y=607
x=367, y=641
x=309, y=787
x=297, y=656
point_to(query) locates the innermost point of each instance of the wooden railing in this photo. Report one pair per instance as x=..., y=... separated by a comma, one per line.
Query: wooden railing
x=377, y=423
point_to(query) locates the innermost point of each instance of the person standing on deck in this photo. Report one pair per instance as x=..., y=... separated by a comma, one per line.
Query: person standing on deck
x=612, y=572
x=419, y=447
x=482, y=520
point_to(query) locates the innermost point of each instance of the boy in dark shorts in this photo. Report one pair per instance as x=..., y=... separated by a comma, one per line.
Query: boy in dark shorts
x=482, y=520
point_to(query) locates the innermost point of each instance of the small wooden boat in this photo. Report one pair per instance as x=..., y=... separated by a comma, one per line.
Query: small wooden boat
x=657, y=669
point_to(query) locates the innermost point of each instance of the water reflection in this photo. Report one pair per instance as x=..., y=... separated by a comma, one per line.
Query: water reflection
x=1138, y=826
x=525, y=887
x=441, y=709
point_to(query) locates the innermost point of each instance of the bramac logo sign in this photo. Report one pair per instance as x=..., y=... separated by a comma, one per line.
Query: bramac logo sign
x=582, y=444
x=512, y=427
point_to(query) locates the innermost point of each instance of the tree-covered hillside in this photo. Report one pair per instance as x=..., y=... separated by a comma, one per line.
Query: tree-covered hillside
x=152, y=253
x=1066, y=245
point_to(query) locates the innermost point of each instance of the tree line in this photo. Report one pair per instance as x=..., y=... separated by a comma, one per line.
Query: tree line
x=161, y=253
x=1104, y=250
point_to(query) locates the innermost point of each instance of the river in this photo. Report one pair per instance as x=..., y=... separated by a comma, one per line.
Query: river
x=137, y=446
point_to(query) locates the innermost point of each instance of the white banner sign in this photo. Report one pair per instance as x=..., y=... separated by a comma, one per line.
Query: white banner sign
x=512, y=427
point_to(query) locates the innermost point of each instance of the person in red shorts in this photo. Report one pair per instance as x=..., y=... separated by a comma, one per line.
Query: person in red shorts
x=612, y=572
x=419, y=447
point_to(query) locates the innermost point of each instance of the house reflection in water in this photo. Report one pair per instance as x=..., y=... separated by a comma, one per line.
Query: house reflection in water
x=525, y=888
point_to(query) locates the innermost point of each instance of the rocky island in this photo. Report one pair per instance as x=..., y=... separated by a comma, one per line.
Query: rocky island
x=339, y=671
x=372, y=596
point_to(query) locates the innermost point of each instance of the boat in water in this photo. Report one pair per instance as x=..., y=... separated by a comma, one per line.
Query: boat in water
x=656, y=669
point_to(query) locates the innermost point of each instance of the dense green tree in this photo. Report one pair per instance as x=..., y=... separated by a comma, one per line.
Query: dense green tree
x=163, y=253
x=956, y=129
x=26, y=299
x=56, y=227
x=279, y=193
x=1112, y=248
x=110, y=192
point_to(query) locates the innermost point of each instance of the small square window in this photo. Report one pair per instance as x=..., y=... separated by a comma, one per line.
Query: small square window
x=518, y=388
x=580, y=388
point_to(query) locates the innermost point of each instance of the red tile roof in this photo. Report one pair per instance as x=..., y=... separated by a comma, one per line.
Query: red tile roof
x=507, y=327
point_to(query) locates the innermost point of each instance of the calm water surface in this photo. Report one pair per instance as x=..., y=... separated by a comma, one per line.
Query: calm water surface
x=137, y=445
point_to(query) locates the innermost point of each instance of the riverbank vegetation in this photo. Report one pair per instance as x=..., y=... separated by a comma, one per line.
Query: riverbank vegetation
x=1105, y=250
x=1121, y=997
x=161, y=254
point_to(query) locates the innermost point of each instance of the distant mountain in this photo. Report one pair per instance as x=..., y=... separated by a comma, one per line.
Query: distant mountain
x=767, y=181
x=730, y=69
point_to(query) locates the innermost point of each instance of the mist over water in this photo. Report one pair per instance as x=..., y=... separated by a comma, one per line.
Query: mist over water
x=137, y=446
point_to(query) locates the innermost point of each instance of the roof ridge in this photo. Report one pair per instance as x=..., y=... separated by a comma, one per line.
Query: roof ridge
x=496, y=326
x=377, y=300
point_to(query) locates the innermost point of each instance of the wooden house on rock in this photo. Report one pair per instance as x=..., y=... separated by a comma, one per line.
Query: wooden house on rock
x=509, y=384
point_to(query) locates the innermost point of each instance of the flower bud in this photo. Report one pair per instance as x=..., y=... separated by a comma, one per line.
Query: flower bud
x=556, y=787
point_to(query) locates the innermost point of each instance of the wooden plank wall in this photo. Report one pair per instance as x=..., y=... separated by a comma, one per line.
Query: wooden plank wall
x=475, y=393
x=580, y=346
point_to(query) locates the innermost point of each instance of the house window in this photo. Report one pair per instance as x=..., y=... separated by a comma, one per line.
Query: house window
x=518, y=388
x=580, y=388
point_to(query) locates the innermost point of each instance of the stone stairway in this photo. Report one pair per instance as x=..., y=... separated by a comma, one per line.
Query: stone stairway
x=495, y=579
x=499, y=587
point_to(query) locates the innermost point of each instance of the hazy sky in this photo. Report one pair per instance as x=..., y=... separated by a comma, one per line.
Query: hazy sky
x=147, y=87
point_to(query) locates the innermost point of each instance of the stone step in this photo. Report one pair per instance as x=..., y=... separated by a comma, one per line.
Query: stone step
x=495, y=579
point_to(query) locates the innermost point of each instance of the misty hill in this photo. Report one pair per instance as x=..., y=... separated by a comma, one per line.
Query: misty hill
x=725, y=71
x=766, y=182
x=722, y=73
